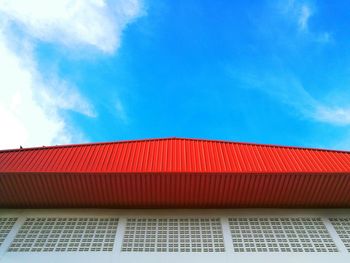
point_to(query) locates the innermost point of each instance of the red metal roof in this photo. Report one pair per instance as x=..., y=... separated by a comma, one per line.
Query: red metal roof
x=174, y=173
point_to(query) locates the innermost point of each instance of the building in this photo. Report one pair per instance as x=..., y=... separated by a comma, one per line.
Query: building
x=174, y=200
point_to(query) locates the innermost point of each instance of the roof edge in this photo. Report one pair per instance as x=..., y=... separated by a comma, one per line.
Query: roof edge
x=181, y=172
x=172, y=138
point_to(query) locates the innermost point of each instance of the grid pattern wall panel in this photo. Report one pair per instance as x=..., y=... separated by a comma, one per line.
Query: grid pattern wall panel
x=173, y=235
x=6, y=224
x=342, y=226
x=280, y=235
x=65, y=234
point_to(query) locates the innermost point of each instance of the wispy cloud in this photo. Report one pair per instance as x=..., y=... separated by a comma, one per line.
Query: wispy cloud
x=283, y=84
x=333, y=115
x=304, y=15
x=65, y=96
x=95, y=23
x=32, y=99
x=120, y=110
x=24, y=119
x=299, y=14
x=286, y=88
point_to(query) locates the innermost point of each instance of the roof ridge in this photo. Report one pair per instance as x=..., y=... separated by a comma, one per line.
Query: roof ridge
x=171, y=138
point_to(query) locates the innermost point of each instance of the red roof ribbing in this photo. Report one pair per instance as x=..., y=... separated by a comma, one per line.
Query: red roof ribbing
x=174, y=173
x=174, y=155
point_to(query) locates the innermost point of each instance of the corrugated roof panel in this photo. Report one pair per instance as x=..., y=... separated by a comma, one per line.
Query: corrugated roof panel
x=179, y=190
x=174, y=173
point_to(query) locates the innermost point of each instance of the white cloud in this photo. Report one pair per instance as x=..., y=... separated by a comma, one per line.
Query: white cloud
x=23, y=120
x=299, y=14
x=324, y=37
x=289, y=90
x=333, y=115
x=94, y=23
x=120, y=110
x=31, y=99
x=304, y=15
x=65, y=96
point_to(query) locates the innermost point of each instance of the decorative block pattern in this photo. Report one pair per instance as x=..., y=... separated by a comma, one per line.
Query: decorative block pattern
x=6, y=224
x=173, y=235
x=280, y=235
x=342, y=226
x=65, y=234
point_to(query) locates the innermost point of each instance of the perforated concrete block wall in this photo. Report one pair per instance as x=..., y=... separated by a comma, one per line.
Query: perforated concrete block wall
x=184, y=235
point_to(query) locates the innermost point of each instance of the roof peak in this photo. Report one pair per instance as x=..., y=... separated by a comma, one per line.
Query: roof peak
x=171, y=138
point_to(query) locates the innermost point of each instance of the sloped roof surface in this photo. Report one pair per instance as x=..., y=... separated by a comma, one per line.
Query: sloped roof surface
x=173, y=173
x=174, y=155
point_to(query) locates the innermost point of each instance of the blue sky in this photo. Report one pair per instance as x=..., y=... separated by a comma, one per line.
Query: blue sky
x=273, y=72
